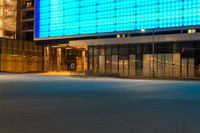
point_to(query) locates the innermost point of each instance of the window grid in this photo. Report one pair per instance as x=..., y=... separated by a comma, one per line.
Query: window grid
x=78, y=17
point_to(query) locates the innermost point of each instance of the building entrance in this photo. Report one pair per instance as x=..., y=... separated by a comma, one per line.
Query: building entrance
x=61, y=58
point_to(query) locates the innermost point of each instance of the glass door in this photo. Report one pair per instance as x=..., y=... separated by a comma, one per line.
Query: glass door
x=123, y=68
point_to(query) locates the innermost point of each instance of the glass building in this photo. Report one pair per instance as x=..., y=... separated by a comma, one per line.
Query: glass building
x=125, y=38
x=8, y=18
x=18, y=55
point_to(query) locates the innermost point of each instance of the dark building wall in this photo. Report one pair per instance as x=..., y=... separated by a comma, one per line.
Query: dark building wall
x=25, y=19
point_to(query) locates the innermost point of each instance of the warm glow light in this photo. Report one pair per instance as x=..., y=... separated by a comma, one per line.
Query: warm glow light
x=194, y=31
x=190, y=31
x=143, y=30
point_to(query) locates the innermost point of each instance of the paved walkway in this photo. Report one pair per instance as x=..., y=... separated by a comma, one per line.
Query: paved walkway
x=33, y=103
x=63, y=73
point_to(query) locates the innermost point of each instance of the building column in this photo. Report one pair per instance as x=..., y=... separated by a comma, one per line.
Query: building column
x=84, y=60
x=59, y=59
x=46, y=58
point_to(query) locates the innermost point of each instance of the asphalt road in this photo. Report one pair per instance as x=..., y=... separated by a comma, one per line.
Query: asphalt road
x=59, y=104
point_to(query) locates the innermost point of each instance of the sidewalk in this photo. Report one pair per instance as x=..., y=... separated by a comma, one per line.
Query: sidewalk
x=63, y=73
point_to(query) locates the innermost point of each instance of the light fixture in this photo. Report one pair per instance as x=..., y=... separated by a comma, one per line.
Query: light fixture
x=118, y=36
x=191, y=31
x=143, y=30
x=194, y=31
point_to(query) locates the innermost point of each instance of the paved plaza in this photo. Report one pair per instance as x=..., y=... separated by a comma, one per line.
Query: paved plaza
x=36, y=103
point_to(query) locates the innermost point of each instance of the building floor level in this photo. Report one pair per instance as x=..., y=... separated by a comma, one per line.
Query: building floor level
x=165, y=60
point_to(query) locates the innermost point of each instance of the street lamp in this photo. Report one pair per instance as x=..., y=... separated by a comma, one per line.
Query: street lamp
x=153, y=51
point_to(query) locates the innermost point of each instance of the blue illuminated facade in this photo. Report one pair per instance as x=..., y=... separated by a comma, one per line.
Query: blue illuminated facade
x=63, y=18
